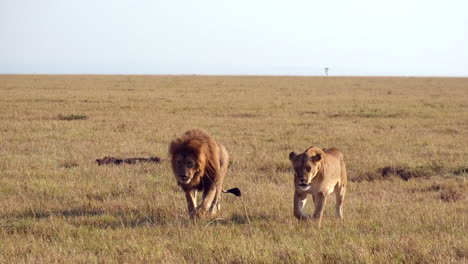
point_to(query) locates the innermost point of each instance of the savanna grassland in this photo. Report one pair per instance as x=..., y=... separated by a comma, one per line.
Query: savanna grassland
x=405, y=141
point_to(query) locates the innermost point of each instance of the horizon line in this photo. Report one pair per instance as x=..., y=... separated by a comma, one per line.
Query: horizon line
x=236, y=75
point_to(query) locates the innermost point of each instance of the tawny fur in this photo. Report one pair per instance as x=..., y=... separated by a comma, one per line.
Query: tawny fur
x=210, y=161
x=319, y=173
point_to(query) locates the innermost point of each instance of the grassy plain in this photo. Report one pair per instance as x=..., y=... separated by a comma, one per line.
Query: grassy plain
x=58, y=206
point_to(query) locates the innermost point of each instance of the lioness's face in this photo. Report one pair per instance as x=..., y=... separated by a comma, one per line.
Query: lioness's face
x=305, y=169
x=185, y=167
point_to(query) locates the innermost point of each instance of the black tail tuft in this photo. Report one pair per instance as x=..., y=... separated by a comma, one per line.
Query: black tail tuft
x=235, y=191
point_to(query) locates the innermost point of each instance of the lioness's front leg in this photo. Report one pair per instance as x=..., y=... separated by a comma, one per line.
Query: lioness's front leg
x=320, y=199
x=300, y=200
x=191, y=197
x=340, y=195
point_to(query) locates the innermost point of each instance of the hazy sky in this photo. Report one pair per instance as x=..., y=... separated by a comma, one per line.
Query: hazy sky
x=358, y=37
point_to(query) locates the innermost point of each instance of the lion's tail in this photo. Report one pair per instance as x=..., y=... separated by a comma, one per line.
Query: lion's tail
x=235, y=191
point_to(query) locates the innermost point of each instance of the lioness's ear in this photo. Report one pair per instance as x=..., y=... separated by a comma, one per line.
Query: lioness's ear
x=292, y=155
x=317, y=157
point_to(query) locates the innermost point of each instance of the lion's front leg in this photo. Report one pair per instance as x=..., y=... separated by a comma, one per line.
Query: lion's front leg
x=299, y=203
x=224, y=161
x=191, y=197
x=216, y=204
x=212, y=195
x=223, y=167
x=208, y=199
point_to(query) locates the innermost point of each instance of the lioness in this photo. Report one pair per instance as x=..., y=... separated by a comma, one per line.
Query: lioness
x=200, y=163
x=319, y=173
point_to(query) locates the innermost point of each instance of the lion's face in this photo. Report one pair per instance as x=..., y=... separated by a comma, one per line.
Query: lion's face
x=185, y=167
x=305, y=169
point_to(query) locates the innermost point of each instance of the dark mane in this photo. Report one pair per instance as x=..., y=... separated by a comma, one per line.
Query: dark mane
x=198, y=143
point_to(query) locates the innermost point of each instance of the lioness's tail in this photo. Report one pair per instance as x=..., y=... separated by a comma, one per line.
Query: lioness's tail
x=235, y=191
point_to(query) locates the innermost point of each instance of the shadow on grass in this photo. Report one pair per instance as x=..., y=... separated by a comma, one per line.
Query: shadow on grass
x=99, y=218
x=239, y=219
x=75, y=212
x=242, y=219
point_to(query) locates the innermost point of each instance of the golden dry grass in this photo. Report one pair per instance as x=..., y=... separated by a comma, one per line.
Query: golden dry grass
x=57, y=205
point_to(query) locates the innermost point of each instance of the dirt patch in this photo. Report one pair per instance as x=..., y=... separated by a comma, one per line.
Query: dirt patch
x=71, y=117
x=309, y=113
x=366, y=114
x=276, y=168
x=367, y=176
x=403, y=172
x=462, y=253
x=461, y=170
x=451, y=195
x=245, y=115
x=434, y=188
x=68, y=164
x=118, y=161
x=448, y=191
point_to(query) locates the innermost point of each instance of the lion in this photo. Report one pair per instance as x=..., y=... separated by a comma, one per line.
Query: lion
x=318, y=172
x=199, y=163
